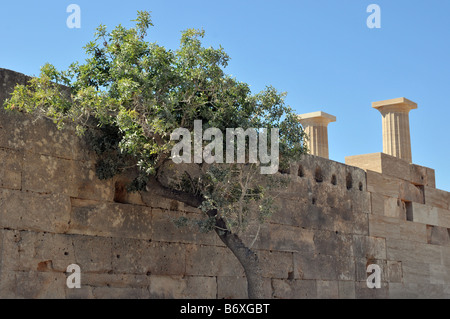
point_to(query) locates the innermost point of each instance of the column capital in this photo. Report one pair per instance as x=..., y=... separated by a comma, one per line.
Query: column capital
x=400, y=104
x=316, y=118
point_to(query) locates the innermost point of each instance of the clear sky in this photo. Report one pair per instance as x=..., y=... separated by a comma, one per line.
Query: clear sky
x=321, y=52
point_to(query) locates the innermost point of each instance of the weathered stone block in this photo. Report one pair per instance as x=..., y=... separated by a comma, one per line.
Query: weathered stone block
x=144, y=257
x=327, y=289
x=366, y=161
x=363, y=292
x=430, y=215
x=289, y=212
x=411, y=193
x=110, y=219
x=369, y=247
x=394, y=271
x=33, y=211
x=361, y=201
x=394, y=207
x=276, y=264
x=93, y=253
x=416, y=291
x=164, y=228
x=85, y=292
x=8, y=284
x=377, y=203
x=312, y=216
x=296, y=189
x=396, y=167
x=436, y=197
x=166, y=287
x=431, y=179
x=444, y=218
x=424, y=214
x=11, y=168
x=90, y=187
x=11, y=133
x=381, y=163
x=294, y=289
x=351, y=222
x=346, y=289
x=445, y=255
x=383, y=184
x=110, y=279
x=289, y=238
x=412, y=231
x=41, y=136
x=234, y=287
x=402, y=250
x=333, y=243
x=9, y=253
x=383, y=226
x=119, y=293
x=326, y=195
x=388, y=206
x=420, y=175
x=211, y=261
x=439, y=274
x=416, y=272
x=317, y=266
x=393, y=166
x=44, y=252
x=438, y=235
x=151, y=200
x=40, y=285
x=47, y=174
x=10, y=130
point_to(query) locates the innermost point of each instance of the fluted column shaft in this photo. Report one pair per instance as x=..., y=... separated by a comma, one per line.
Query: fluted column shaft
x=316, y=127
x=395, y=125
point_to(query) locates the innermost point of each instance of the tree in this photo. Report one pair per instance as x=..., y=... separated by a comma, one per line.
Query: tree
x=130, y=96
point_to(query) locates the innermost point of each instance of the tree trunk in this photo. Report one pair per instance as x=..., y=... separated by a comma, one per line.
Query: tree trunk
x=246, y=257
x=249, y=261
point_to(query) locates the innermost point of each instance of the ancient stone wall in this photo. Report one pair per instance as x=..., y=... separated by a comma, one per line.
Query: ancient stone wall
x=334, y=220
x=412, y=218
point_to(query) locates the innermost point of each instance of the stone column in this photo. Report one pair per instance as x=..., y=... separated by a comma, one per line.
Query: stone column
x=316, y=126
x=395, y=119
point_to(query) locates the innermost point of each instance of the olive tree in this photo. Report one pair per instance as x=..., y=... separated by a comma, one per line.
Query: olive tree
x=130, y=96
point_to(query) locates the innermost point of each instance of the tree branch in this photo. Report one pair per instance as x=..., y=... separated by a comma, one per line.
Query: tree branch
x=154, y=187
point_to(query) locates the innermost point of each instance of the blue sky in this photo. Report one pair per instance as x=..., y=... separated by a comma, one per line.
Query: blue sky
x=320, y=52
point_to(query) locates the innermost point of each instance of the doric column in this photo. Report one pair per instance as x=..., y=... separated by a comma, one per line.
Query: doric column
x=316, y=127
x=395, y=120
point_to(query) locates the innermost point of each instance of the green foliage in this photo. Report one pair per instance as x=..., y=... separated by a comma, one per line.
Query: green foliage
x=130, y=94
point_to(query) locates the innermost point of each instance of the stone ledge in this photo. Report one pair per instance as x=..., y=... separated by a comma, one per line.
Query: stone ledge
x=395, y=167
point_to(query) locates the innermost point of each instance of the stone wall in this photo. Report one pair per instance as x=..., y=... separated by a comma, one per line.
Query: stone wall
x=334, y=220
x=412, y=218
